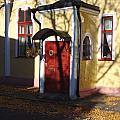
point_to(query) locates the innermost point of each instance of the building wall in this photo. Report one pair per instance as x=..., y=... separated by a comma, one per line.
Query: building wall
x=88, y=68
x=60, y=20
x=108, y=72
x=104, y=75
x=19, y=67
x=63, y=21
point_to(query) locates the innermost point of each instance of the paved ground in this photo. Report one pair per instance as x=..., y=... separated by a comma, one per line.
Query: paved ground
x=11, y=114
x=23, y=103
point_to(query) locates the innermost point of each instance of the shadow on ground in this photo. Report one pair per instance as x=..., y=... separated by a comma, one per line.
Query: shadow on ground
x=56, y=107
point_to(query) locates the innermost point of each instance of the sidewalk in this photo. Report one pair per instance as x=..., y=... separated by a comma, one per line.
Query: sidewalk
x=93, y=107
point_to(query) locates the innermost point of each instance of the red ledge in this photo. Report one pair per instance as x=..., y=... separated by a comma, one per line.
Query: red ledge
x=105, y=60
x=87, y=92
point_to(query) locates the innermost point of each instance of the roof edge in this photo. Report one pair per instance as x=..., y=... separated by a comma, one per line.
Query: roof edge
x=60, y=4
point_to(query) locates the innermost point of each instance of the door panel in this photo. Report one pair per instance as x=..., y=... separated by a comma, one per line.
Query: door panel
x=57, y=66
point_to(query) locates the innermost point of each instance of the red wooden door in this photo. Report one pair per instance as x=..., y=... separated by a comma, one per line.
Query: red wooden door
x=57, y=66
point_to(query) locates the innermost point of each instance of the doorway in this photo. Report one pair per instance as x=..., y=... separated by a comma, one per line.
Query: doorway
x=57, y=66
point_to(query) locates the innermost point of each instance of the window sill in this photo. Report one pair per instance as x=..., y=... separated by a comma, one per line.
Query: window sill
x=105, y=59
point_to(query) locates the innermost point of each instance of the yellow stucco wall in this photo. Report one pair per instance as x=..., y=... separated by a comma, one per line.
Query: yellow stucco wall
x=63, y=20
x=50, y=1
x=108, y=72
x=88, y=68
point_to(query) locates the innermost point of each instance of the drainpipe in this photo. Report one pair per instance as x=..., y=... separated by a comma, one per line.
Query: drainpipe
x=7, y=40
x=34, y=17
x=79, y=48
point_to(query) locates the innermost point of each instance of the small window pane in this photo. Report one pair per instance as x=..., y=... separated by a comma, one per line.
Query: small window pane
x=107, y=22
x=21, y=16
x=28, y=15
x=109, y=39
x=22, y=40
x=21, y=29
x=29, y=41
x=22, y=46
x=29, y=29
x=106, y=45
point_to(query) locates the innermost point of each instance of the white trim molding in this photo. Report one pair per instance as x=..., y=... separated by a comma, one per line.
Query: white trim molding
x=89, y=11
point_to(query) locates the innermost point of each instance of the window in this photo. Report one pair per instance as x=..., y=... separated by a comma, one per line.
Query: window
x=107, y=33
x=107, y=41
x=86, y=48
x=25, y=30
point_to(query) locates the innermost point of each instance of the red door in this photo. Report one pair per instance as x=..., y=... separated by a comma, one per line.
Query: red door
x=57, y=66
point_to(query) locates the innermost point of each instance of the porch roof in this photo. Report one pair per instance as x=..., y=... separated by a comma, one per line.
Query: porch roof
x=66, y=3
x=47, y=32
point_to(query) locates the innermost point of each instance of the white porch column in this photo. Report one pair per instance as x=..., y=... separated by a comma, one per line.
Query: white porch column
x=7, y=40
x=73, y=58
x=41, y=63
x=41, y=77
x=36, y=71
x=39, y=66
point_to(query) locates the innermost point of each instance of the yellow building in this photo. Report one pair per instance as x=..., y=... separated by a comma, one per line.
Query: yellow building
x=61, y=47
x=108, y=73
x=74, y=69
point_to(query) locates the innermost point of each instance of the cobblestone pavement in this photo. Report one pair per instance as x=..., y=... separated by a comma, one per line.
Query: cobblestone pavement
x=25, y=103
